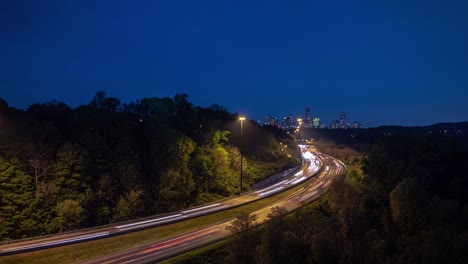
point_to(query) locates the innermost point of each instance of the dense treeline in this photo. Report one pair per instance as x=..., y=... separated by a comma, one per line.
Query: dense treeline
x=361, y=139
x=350, y=145
x=409, y=205
x=349, y=154
x=107, y=161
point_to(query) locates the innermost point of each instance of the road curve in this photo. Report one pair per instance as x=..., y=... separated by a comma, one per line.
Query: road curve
x=312, y=190
x=311, y=165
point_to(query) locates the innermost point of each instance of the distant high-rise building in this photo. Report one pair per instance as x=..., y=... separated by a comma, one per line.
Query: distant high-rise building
x=356, y=124
x=288, y=122
x=335, y=124
x=316, y=122
x=342, y=120
x=284, y=123
x=271, y=121
x=291, y=121
x=308, y=121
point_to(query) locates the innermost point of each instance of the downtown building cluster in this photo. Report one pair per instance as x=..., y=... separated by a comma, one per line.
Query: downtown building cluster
x=289, y=122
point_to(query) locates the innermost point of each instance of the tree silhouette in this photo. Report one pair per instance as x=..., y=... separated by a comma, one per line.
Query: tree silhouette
x=243, y=247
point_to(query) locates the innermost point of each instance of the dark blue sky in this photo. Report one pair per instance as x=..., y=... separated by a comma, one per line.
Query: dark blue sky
x=381, y=62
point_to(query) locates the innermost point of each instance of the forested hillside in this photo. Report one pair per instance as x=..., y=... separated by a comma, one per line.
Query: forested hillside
x=409, y=204
x=107, y=161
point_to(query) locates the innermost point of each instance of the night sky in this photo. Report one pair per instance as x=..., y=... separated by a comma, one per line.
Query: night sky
x=381, y=62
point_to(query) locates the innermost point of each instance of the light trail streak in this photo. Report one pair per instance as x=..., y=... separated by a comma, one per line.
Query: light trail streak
x=147, y=221
x=209, y=210
x=308, y=195
x=298, y=180
x=57, y=242
x=200, y=208
x=327, y=183
x=271, y=191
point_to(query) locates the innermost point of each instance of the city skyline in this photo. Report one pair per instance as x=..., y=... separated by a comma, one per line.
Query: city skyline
x=385, y=62
x=308, y=120
x=324, y=123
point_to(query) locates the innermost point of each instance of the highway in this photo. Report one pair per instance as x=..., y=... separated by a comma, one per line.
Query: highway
x=325, y=169
x=159, y=250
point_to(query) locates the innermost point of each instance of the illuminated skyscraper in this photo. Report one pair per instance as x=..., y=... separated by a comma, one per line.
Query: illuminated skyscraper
x=308, y=122
x=291, y=121
x=288, y=122
x=356, y=124
x=342, y=120
x=271, y=121
x=316, y=122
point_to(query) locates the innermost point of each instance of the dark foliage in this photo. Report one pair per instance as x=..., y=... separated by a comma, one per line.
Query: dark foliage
x=63, y=168
x=409, y=206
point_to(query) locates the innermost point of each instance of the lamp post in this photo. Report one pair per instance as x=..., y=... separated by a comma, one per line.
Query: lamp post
x=241, y=118
x=299, y=129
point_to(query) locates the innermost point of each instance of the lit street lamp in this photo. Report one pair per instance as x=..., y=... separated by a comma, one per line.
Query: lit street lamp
x=299, y=129
x=241, y=118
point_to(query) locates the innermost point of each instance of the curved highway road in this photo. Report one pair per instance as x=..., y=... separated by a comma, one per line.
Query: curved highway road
x=328, y=168
x=312, y=190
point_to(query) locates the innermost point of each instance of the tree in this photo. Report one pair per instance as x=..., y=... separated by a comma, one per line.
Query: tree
x=49, y=110
x=112, y=104
x=201, y=164
x=243, y=246
x=104, y=199
x=408, y=202
x=183, y=113
x=69, y=215
x=182, y=106
x=273, y=240
x=220, y=137
x=177, y=182
x=4, y=109
x=217, y=108
x=132, y=107
x=96, y=146
x=213, y=165
x=161, y=109
x=222, y=182
x=39, y=159
x=346, y=204
x=16, y=192
x=70, y=170
x=3, y=106
x=129, y=206
x=99, y=100
x=126, y=168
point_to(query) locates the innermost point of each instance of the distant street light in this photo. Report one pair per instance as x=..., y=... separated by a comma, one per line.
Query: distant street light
x=241, y=118
x=299, y=129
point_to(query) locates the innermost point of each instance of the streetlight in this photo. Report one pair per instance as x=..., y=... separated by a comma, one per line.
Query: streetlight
x=241, y=118
x=299, y=129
